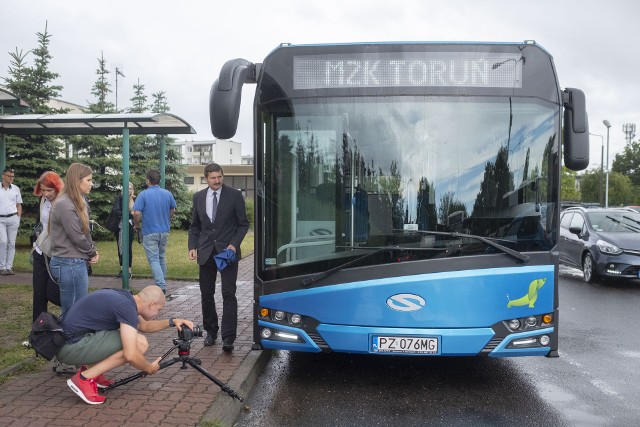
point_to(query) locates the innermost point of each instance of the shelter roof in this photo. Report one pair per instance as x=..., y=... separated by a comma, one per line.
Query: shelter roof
x=10, y=103
x=93, y=124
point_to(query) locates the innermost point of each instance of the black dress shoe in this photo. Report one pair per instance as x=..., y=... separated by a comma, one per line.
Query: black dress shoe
x=227, y=346
x=209, y=340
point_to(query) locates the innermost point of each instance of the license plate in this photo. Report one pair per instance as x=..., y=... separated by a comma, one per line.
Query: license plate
x=391, y=344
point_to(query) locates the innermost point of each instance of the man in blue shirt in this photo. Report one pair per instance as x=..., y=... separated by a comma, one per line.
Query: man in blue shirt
x=104, y=331
x=155, y=207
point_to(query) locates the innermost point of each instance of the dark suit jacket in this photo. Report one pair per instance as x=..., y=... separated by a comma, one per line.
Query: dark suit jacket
x=230, y=226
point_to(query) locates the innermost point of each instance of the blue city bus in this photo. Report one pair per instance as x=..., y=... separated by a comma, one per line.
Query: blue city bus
x=407, y=195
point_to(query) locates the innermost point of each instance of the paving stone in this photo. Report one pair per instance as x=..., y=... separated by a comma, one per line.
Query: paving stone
x=172, y=397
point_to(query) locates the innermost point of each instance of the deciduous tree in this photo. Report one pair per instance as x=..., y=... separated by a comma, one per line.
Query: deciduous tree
x=568, y=187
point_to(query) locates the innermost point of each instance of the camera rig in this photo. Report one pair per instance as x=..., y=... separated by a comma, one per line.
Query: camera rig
x=184, y=348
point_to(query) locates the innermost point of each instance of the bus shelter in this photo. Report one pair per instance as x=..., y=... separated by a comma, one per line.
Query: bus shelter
x=99, y=124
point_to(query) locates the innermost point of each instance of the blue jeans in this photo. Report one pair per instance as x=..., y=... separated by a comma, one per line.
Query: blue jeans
x=155, y=246
x=72, y=277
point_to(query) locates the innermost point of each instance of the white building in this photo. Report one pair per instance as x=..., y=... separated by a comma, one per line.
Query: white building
x=221, y=151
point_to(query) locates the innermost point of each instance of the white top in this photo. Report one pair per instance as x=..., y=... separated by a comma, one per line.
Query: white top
x=44, y=219
x=9, y=198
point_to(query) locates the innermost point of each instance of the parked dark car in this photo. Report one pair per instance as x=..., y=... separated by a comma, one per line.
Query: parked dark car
x=603, y=243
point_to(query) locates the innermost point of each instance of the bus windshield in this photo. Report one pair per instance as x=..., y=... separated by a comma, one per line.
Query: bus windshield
x=365, y=172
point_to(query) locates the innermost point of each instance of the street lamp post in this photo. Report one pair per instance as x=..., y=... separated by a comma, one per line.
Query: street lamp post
x=600, y=200
x=606, y=194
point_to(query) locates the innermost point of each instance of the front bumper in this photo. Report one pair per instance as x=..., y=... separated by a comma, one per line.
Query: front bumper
x=453, y=342
x=623, y=266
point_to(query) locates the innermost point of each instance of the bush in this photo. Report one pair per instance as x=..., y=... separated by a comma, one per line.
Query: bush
x=250, y=212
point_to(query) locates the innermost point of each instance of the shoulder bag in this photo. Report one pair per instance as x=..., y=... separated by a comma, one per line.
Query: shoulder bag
x=44, y=242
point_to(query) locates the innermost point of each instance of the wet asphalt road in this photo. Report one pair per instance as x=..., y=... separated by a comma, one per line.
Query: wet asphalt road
x=594, y=382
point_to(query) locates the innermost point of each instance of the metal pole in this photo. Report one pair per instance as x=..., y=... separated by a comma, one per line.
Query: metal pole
x=600, y=198
x=601, y=170
x=118, y=72
x=124, y=241
x=163, y=153
x=606, y=196
x=3, y=153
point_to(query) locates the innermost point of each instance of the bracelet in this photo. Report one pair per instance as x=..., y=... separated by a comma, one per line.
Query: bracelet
x=171, y=324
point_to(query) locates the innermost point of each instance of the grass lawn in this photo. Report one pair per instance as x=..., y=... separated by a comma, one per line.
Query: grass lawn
x=15, y=300
x=15, y=325
x=179, y=266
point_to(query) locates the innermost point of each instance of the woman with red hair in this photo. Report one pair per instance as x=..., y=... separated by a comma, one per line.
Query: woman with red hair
x=45, y=290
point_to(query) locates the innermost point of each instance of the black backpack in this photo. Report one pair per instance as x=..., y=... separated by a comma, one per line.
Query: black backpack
x=47, y=336
x=114, y=219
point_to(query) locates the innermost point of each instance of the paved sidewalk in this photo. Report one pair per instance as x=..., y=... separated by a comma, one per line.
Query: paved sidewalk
x=171, y=397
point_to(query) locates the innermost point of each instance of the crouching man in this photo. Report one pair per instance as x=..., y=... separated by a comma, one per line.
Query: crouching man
x=116, y=318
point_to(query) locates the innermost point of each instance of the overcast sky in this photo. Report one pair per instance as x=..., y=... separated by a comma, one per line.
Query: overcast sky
x=179, y=47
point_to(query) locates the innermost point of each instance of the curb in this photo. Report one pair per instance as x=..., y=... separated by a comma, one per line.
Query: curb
x=15, y=368
x=224, y=409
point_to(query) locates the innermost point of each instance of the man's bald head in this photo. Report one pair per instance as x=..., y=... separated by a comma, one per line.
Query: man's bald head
x=152, y=293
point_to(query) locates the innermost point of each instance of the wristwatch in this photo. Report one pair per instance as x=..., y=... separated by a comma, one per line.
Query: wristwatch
x=171, y=324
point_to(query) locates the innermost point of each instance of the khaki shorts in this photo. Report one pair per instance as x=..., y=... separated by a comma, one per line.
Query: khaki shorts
x=92, y=348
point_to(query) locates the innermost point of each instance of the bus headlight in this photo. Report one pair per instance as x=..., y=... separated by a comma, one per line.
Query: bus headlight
x=281, y=316
x=545, y=340
x=266, y=333
x=529, y=322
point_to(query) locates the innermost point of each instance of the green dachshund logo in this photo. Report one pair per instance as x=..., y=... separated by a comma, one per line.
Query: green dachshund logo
x=530, y=297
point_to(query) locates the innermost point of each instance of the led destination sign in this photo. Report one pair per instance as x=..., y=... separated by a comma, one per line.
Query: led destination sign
x=408, y=69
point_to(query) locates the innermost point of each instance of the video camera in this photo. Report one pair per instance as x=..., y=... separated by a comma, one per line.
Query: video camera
x=187, y=334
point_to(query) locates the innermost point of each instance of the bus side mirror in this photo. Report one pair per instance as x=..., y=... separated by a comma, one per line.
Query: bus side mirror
x=226, y=95
x=575, y=130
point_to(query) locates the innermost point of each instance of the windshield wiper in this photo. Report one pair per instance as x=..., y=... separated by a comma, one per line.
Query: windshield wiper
x=313, y=279
x=621, y=224
x=631, y=219
x=376, y=250
x=515, y=254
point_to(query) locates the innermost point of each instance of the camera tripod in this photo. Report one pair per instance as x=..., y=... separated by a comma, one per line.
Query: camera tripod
x=185, y=358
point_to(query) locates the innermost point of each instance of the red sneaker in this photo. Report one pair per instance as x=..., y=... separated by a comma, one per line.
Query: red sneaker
x=87, y=390
x=101, y=380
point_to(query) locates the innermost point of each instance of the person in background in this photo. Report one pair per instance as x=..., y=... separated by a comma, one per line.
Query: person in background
x=219, y=222
x=45, y=290
x=155, y=207
x=73, y=249
x=10, y=213
x=117, y=207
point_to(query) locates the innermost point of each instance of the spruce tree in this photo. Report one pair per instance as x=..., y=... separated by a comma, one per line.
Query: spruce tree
x=139, y=100
x=137, y=155
x=102, y=153
x=30, y=156
x=160, y=103
x=174, y=170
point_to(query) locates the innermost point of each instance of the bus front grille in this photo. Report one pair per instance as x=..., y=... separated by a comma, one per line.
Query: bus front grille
x=321, y=343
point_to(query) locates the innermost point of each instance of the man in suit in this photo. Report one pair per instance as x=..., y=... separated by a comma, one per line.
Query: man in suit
x=219, y=222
